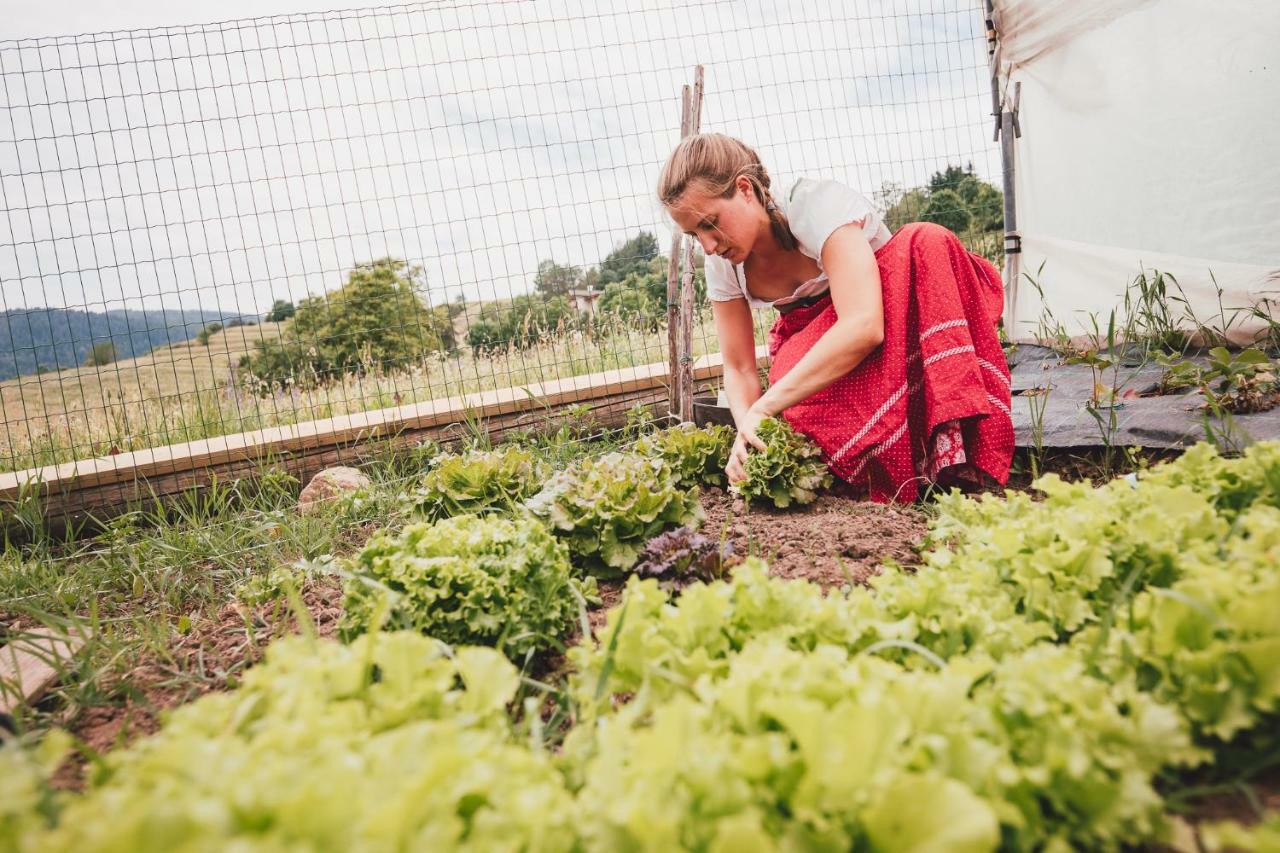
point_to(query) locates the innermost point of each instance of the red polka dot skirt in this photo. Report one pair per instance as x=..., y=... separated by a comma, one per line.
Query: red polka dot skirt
x=932, y=402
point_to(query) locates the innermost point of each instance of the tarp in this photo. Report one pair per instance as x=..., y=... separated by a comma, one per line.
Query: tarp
x=1051, y=408
x=1149, y=142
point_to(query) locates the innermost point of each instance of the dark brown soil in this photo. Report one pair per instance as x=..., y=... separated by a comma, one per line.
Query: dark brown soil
x=832, y=542
x=610, y=595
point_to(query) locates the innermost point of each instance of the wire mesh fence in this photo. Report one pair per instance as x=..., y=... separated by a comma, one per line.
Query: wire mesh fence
x=214, y=228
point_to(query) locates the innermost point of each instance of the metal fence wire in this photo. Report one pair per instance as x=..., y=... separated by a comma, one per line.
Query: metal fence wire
x=215, y=228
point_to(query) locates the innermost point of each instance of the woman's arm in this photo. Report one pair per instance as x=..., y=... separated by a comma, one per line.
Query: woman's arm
x=736, y=331
x=858, y=330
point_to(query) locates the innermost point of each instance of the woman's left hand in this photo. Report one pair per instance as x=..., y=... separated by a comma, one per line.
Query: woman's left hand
x=750, y=423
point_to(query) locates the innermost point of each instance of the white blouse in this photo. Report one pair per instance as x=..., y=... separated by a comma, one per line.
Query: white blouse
x=814, y=209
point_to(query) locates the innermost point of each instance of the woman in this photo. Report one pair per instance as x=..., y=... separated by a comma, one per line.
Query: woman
x=885, y=353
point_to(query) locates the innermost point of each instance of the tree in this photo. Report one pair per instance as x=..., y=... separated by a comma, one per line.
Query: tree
x=629, y=303
x=903, y=207
x=984, y=203
x=640, y=299
x=951, y=178
x=948, y=209
x=102, y=353
x=954, y=197
x=632, y=256
x=552, y=279
x=377, y=320
x=281, y=310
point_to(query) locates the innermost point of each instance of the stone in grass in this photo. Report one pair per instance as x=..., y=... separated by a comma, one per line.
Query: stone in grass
x=329, y=484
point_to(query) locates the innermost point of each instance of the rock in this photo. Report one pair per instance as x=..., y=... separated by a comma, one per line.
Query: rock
x=329, y=484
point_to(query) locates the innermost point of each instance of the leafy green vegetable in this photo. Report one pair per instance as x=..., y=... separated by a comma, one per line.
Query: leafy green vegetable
x=477, y=481
x=1264, y=837
x=392, y=742
x=824, y=747
x=607, y=508
x=789, y=470
x=696, y=456
x=28, y=805
x=683, y=555
x=467, y=579
x=1023, y=690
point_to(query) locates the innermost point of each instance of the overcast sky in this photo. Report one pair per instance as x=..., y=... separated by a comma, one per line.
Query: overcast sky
x=168, y=161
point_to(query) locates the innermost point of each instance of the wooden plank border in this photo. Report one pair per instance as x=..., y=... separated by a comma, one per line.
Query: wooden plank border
x=103, y=486
x=30, y=665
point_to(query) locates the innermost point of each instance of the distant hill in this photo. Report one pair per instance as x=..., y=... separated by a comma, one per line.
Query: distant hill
x=35, y=339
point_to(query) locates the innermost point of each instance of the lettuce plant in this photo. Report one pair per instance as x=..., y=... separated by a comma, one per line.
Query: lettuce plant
x=789, y=470
x=1026, y=689
x=696, y=456
x=394, y=742
x=681, y=556
x=478, y=481
x=607, y=508
x=467, y=579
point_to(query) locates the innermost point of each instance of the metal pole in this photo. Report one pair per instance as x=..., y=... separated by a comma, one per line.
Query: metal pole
x=1012, y=239
x=1006, y=131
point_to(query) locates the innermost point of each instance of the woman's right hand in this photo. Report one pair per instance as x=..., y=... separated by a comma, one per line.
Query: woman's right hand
x=736, y=470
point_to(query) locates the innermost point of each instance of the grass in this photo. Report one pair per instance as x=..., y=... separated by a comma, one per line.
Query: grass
x=151, y=576
x=190, y=392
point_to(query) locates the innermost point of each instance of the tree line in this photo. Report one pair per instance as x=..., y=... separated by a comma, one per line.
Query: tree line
x=379, y=319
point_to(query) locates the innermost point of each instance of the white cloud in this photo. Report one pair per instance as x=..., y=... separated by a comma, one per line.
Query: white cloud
x=231, y=164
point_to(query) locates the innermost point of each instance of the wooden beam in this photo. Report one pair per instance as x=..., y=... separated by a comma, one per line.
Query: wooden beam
x=105, y=486
x=31, y=665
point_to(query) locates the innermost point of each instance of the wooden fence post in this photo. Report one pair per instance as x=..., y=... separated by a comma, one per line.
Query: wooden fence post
x=686, y=285
x=673, y=286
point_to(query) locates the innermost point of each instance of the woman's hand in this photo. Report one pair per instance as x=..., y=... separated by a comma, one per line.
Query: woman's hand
x=736, y=470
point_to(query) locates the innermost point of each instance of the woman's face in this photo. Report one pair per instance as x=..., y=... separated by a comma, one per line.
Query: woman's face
x=728, y=227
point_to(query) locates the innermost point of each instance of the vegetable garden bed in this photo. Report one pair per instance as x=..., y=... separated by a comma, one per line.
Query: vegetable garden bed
x=1061, y=670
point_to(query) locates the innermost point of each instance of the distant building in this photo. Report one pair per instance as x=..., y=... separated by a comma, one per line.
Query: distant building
x=584, y=301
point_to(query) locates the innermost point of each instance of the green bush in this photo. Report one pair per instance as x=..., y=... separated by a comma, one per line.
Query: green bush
x=476, y=482
x=608, y=508
x=639, y=299
x=102, y=353
x=208, y=332
x=485, y=581
x=525, y=321
x=375, y=321
x=789, y=470
x=629, y=305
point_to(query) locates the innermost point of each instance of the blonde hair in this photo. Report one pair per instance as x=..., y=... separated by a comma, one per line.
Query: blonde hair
x=714, y=162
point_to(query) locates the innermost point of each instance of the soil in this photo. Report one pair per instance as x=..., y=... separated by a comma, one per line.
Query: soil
x=833, y=542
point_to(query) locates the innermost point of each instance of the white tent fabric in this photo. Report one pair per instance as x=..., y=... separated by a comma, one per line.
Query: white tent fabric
x=1150, y=140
